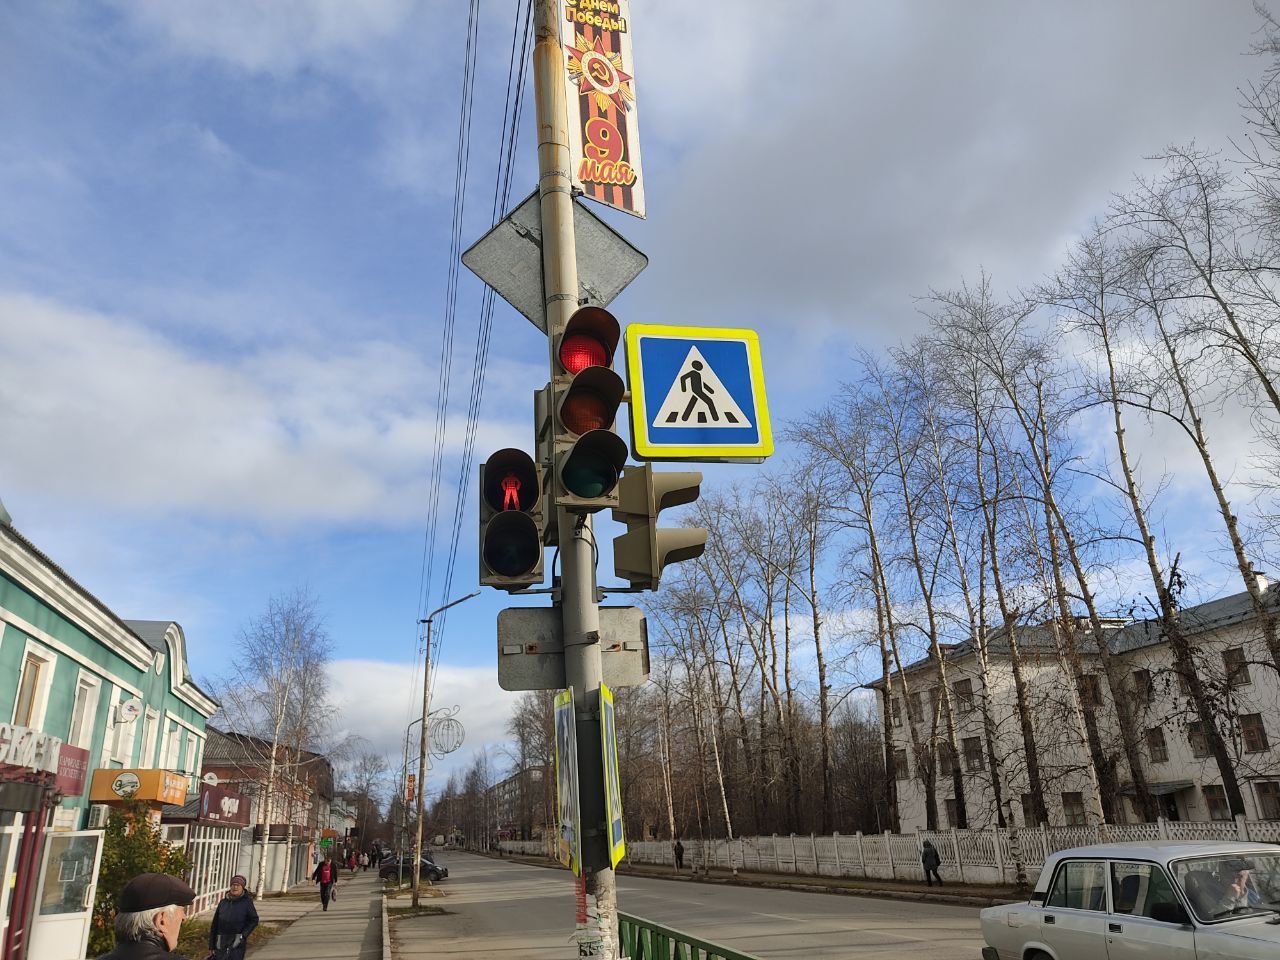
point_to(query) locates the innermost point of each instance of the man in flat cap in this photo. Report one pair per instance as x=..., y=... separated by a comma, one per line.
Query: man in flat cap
x=149, y=914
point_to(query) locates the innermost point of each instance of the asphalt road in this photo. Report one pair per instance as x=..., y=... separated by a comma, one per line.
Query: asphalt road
x=519, y=912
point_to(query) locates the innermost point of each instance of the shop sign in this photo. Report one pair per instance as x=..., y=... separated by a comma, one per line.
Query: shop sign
x=152, y=786
x=223, y=806
x=73, y=771
x=24, y=747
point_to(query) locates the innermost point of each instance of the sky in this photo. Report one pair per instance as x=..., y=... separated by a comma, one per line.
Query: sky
x=225, y=240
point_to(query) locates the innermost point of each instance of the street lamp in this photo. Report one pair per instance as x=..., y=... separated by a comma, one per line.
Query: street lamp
x=422, y=750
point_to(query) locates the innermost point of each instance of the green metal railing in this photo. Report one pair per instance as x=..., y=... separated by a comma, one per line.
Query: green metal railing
x=646, y=940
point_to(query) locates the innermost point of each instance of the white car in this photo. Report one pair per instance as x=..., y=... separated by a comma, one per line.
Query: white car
x=1191, y=900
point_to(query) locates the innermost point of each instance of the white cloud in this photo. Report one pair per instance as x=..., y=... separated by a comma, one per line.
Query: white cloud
x=376, y=700
x=278, y=37
x=102, y=410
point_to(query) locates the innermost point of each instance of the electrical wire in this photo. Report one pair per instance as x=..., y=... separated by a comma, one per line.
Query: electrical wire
x=521, y=39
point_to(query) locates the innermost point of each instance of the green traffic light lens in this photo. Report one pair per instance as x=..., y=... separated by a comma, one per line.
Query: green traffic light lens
x=588, y=474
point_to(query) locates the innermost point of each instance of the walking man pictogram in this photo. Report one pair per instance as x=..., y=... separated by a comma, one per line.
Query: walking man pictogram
x=692, y=383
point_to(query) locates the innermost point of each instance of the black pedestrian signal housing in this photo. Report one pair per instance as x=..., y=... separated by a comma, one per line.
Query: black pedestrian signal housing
x=511, y=521
x=589, y=455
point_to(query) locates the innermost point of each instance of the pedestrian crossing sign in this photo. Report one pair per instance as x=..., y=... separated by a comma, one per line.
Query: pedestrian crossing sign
x=697, y=393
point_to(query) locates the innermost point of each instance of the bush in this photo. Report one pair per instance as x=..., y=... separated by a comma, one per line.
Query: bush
x=132, y=845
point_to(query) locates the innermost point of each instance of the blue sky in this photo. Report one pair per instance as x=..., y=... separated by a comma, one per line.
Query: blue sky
x=224, y=236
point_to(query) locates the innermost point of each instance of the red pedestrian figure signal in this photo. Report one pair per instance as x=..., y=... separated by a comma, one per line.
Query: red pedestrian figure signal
x=510, y=492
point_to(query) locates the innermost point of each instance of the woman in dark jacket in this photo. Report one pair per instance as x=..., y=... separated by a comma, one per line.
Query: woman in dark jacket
x=232, y=922
x=930, y=860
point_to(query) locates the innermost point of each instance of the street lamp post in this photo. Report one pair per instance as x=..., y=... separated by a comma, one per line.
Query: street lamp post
x=404, y=790
x=422, y=751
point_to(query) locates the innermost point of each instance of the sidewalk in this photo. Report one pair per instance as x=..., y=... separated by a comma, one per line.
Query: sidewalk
x=351, y=929
x=981, y=895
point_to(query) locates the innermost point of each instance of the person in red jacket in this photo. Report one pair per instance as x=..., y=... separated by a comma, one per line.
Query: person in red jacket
x=326, y=874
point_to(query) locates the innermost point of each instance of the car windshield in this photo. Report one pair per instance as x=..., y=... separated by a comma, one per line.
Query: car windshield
x=1230, y=885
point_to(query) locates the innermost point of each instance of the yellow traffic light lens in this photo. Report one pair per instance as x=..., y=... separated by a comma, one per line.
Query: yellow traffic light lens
x=586, y=410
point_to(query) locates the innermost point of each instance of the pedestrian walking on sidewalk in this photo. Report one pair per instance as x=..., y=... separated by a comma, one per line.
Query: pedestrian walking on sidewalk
x=233, y=921
x=679, y=855
x=930, y=860
x=326, y=874
x=149, y=913
x=351, y=861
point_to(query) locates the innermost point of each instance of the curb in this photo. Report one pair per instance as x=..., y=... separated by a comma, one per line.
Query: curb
x=879, y=894
x=386, y=931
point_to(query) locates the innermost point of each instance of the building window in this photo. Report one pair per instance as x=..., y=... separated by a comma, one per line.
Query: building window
x=973, y=758
x=900, y=769
x=1237, y=671
x=1090, y=690
x=1268, y=792
x=953, y=815
x=1143, y=692
x=964, y=695
x=189, y=764
x=171, y=749
x=946, y=761
x=1028, y=810
x=1198, y=740
x=895, y=711
x=83, y=709
x=1253, y=733
x=1157, y=747
x=149, y=723
x=1184, y=685
x=33, y=688
x=1073, y=809
x=915, y=707
x=1216, y=798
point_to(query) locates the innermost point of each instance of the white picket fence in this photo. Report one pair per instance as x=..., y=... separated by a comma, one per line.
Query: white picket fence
x=969, y=856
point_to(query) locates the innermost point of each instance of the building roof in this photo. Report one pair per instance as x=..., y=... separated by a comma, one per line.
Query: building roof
x=1203, y=617
x=1122, y=637
x=245, y=751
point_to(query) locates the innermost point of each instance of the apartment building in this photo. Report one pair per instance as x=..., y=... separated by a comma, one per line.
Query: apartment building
x=1231, y=658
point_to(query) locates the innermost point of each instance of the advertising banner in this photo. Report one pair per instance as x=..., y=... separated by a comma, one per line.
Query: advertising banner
x=604, y=135
x=612, y=788
x=569, y=818
x=73, y=770
x=154, y=786
x=222, y=806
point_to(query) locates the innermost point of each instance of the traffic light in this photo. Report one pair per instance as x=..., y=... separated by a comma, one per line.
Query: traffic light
x=586, y=392
x=511, y=521
x=640, y=554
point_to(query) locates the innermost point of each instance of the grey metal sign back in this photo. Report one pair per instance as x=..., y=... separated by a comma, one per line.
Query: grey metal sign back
x=509, y=259
x=531, y=648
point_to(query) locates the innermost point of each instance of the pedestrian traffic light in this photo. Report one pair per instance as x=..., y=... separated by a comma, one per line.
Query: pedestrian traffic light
x=589, y=456
x=511, y=521
x=640, y=554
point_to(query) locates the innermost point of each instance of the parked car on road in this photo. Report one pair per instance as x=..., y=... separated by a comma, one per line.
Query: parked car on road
x=394, y=867
x=1172, y=900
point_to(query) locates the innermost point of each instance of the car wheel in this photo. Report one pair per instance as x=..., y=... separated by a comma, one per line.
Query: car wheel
x=1037, y=955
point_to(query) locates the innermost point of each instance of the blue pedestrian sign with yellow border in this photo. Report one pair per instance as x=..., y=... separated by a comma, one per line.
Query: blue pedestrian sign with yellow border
x=697, y=393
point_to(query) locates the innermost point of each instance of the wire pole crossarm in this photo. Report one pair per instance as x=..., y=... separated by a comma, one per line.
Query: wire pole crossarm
x=422, y=749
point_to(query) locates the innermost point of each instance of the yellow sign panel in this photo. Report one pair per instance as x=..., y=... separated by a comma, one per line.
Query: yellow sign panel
x=152, y=786
x=612, y=786
x=697, y=393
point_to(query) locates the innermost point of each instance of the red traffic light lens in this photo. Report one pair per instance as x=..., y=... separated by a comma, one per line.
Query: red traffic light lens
x=579, y=351
x=585, y=410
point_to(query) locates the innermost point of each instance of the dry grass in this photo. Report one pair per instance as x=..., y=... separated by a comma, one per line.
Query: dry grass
x=193, y=941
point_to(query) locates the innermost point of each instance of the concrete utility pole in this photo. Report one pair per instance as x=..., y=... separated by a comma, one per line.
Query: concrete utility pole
x=422, y=745
x=578, y=576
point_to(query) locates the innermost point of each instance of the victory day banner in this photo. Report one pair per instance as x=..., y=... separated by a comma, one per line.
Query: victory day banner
x=604, y=137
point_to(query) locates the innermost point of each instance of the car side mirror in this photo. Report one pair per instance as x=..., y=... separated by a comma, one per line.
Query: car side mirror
x=1170, y=913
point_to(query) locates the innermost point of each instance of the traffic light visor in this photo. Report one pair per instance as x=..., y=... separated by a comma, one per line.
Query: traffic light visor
x=510, y=481
x=589, y=340
x=594, y=465
x=591, y=402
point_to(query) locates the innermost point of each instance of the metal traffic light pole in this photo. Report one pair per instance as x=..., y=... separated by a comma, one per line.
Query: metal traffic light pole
x=577, y=553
